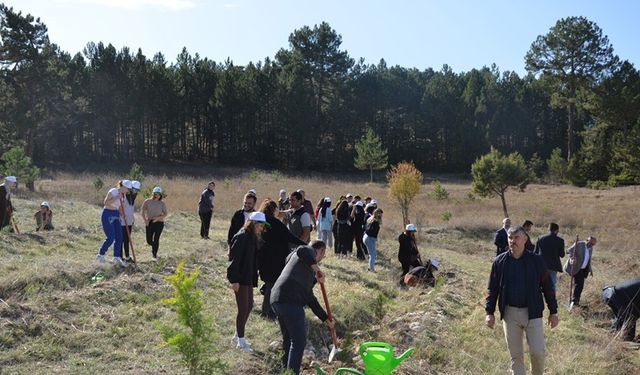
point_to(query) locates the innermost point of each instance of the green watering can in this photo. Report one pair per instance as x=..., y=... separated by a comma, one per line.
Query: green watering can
x=378, y=360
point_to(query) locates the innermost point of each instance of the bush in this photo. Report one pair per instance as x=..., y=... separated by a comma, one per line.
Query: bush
x=196, y=339
x=98, y=183
x=439, y=192
x=135, y=173
x=446, y=216
x=557, y=166
x=17, y=163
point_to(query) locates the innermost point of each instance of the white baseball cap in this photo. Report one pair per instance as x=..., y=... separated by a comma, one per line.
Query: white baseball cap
x=349, y=195
x=11, y=178
x=127, y=184
x=135, y=184
x=411, y=228
x=45, y=204
x=359, y=203
x=157, y=190
x=258, y=216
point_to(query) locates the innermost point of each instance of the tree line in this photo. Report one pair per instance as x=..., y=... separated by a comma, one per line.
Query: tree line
x=308, y=106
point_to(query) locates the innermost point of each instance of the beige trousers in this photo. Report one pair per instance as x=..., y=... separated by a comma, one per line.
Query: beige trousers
x=516, y=322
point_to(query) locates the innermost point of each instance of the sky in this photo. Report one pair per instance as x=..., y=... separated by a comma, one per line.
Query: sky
x=463, y=34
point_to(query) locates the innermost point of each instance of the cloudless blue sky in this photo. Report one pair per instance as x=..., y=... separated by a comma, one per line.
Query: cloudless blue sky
x=464, y=34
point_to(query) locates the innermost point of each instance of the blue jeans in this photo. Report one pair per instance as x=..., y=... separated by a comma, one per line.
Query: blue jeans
x=370, y=243
x=553, y=275
x=113, y=230
x=291, y=321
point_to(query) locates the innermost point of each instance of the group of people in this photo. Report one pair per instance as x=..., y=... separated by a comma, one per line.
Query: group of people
x=118, y=216
x=43, y=216
x=523, y=274
x=271, y=244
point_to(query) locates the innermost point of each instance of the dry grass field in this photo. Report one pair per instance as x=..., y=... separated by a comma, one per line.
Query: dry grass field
x=53, y=319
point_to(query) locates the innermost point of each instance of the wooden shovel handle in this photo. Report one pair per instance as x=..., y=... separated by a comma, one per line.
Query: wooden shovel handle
x=334, y=337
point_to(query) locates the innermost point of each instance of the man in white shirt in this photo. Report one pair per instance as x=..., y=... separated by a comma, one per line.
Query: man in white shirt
x=579, y=266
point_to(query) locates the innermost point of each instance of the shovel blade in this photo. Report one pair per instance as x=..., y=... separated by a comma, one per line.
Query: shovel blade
x=333, y=352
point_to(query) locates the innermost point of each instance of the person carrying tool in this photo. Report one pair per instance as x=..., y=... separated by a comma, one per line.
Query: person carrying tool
x=111, y=222
x=291, y=293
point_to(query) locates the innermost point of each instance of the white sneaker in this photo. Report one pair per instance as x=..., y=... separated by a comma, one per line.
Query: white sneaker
x=101, y=258
x=234, y=340
x=155, y=259
x=244, y=346
x=117, y=261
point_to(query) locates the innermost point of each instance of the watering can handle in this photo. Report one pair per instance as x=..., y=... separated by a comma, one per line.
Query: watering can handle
x=365, y=346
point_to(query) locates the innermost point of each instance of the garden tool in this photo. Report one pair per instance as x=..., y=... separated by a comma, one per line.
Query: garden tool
x=334, y=338
x=572, y=261
x=123, y=215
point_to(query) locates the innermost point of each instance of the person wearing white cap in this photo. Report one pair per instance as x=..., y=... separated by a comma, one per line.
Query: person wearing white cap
x=408, y=253
x=325, y=222
x=153, y=212
x=6, y=208
x=242, y=273
x=44, y=217
x=111, y=222
x=128, y=204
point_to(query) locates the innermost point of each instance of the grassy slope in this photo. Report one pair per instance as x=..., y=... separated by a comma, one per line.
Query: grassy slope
x=53, y=320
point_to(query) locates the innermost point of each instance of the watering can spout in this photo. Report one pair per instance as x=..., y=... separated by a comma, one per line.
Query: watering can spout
x=402, y=357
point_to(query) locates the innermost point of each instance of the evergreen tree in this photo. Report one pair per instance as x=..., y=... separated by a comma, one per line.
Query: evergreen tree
x=494, y=173
x=16, y=163
x=370, y=154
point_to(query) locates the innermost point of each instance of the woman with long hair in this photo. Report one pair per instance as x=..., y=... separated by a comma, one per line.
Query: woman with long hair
x=242, y=273
x=344, y=230
x=111, y=222
x=408, y=253
x=129, y=202
x=325, y=222
x=370, y=237
x=273, y=253
x=154, y=211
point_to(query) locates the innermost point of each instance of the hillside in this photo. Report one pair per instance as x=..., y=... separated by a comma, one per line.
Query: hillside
x=53, y=319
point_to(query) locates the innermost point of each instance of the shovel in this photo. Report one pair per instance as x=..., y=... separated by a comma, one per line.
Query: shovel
x=571, y=265
x=334, y=338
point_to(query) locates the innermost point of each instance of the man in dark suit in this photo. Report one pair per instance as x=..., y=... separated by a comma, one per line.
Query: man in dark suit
x=624, y=300
x=551, y=248
x=579, y=266
x=501, y=240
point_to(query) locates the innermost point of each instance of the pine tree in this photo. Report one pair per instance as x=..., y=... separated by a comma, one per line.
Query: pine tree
x=370, y=154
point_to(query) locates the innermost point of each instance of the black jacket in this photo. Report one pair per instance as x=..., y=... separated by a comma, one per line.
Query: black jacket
x=372, y=229
x=551, y=248
x=275, y=249
x=537, y=282
x=407, y=253
x=501, y=241
x=626, y=298
x=295, y=284
x=243, y=265
x=237, y=221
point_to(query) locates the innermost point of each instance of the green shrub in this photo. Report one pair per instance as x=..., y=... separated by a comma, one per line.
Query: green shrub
x=557, y=166
x=17, y=163
x=135, y=173
x=196, y=339
x=439, y=192
x=446, y=216
x=98, y=183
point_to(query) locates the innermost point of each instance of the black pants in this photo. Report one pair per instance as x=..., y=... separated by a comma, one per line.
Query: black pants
x=578, y=285
x=205, y=223
x=154, y=230
x=626, y=316
x=357, y=236
x=244, y=300
x=344, y=245
x=266, y=304
x=125, y=239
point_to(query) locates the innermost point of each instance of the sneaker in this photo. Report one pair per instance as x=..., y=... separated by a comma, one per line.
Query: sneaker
x=117, y=261
x=154, y=258
x=244, y=346
x=129, y=260
x=101, y=258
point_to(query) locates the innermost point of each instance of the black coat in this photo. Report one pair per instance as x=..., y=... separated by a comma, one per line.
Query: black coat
x=538, y=284
x=237, y=222
x=501, y=241
x=407, y=252
x=275, y=249
x=5, y=207
x=551, y=248
x=243, y=265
